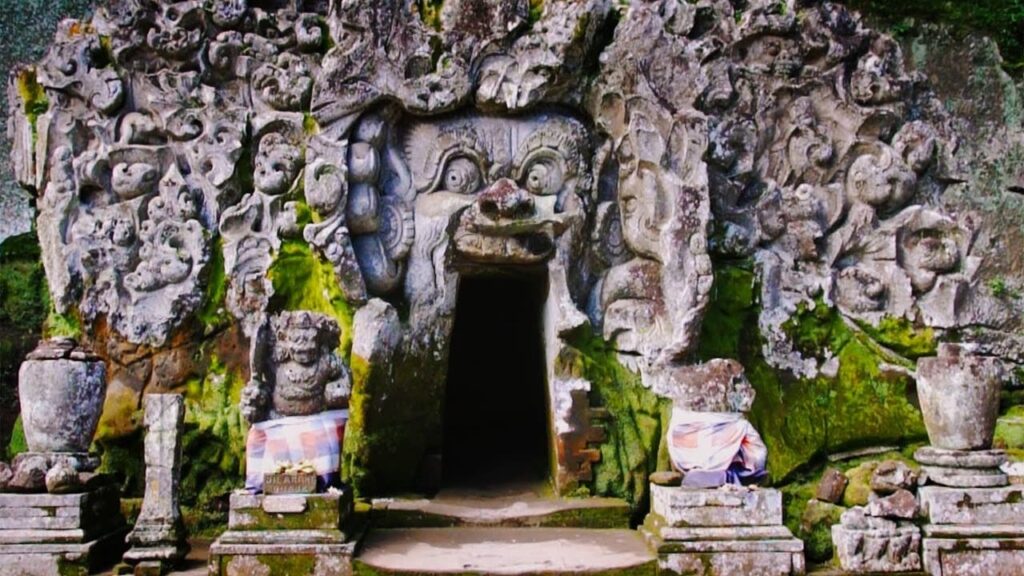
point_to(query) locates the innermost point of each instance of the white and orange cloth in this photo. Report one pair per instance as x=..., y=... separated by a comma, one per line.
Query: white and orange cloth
x=316, y=439
x=715, y=448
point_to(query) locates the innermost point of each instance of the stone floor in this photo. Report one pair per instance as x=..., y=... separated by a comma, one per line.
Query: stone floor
x=504, y=551
x=509, y=504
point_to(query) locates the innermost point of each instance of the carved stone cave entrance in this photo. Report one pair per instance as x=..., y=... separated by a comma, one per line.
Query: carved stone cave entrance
x=496, y=406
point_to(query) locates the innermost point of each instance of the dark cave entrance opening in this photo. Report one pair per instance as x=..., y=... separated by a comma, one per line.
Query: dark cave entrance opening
x=496, y=408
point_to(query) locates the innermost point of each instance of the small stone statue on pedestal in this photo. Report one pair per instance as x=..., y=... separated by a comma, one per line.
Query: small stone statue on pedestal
x=158, y=539
x=296, y=403
x=713, y=523
x=709, y=439
x=299, y=386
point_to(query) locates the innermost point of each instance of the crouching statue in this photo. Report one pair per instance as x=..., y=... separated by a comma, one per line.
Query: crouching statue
x=297, y=398
x=709, y=439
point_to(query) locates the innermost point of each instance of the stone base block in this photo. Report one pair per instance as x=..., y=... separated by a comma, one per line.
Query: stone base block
x=972, y=506
x=281, y=552
x=884, y=550
x=59, y=534
x=725, y=551
x=976, y=459
x=717, y=507
x=988, y=550
x=965, y=477
x=289, y=512
x=285, y=534
x=60, y=558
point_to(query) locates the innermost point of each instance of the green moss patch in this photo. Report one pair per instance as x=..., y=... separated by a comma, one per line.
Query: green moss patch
x=802, y=419
x=636, y=426
x=214, y=443
x=395, y=413
x=213, y=314
x=304, y=281
x=33, y=97
x=23, y=305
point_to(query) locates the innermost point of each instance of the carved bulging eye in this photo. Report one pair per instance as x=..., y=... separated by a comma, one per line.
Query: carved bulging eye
x=543, y=178
x=461, y=176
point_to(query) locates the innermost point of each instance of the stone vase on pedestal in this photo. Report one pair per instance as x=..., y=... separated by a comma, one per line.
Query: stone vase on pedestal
x=59, y=517
x=62, y=388
x=959, y=394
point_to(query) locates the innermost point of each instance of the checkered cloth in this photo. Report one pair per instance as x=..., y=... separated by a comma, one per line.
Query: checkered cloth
x=715, y=448
x=317, y=439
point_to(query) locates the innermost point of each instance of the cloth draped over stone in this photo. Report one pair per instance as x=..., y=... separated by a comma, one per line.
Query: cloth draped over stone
x=316, y=439
x=715, y=448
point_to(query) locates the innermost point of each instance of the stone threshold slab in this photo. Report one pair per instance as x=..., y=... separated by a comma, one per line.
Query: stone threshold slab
x=521, y=506
x=505, y=551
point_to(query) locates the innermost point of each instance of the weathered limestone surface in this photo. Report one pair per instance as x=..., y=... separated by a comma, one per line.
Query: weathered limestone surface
x=684, y=507
x=404, y=149
x=294, y=533
x=730, y=530
x=61, y=387
x=59, y=534
x=159, y=535
x=973, y=530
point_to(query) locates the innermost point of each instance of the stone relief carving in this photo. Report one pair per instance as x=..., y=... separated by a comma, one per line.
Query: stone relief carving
x=296, y=368
x=619, y=150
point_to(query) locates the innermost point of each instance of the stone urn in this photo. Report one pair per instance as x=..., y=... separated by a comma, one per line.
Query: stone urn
x=61, y=387
x=959, y=394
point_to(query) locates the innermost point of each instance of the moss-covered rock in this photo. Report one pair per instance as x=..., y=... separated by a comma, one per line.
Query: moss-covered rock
x=816, y=529
x=1003, y=20
x=303, y=280
x=1009, y=433
x=214, y=440
x=638, y=420
x=803, y=419
x=858, y=491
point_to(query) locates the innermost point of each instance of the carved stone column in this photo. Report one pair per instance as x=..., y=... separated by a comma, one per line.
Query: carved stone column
x=158, y=539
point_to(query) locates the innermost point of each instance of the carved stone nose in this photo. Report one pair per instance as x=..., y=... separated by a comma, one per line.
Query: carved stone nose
x=505, y=199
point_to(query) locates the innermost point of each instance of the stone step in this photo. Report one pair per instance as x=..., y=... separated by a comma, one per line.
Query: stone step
x=524, y=507
x=504, y=551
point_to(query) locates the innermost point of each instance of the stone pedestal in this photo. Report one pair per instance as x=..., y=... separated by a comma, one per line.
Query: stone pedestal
x=287, y=534
x=158, y=539
x=60, y=534
x=721, y=532
x=973, y=530
x=962, y=468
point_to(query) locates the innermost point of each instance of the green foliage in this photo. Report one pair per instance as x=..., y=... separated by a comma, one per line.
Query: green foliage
x=23, y=305
x=1003, y=20
x=635, y=427
x=304, y=281
x=1009, y=433
x=1000, y=289
x=214, y=440
x=18, y=444
x=122, y=458
x=536, y=10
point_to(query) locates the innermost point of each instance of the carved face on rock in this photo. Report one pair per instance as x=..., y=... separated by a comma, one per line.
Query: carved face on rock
x=520, y=179
x=307, y=374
